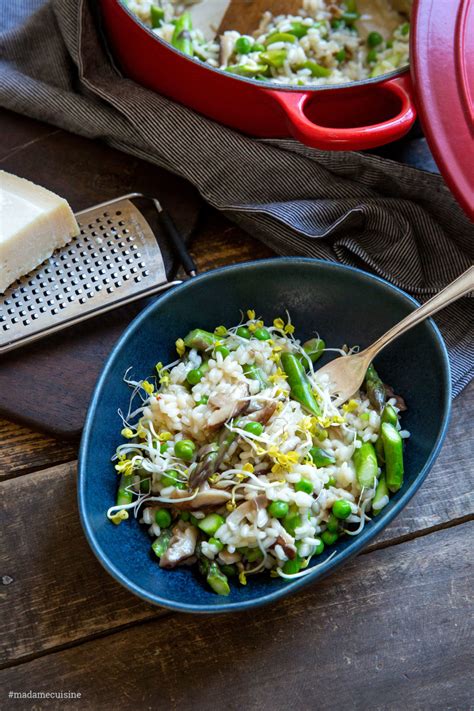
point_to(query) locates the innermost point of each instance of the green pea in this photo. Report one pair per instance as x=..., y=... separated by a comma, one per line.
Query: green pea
x=291, y=567
x=304, y=485
x=217, y=543
x=194, y=376
x=341, y=509
x=405, y=28
x=389, y=44
x=193, y=520
x=262, y=334
x=374, y=39
x=372, y=56
x=243, y=332
x=319, y=548
x=243, y=45
x=329, y=538
x=184, y=516
x=162, y=518
x=164, y=447
x=291, y=522
x=332, y=524
x=337, y=24
x=171, y=478
x=255, y=428
x=278, y=509
x=341, y=55
x=222, y=350
x=184, y=449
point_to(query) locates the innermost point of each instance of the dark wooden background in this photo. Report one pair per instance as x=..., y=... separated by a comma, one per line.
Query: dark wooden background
x=392, y=630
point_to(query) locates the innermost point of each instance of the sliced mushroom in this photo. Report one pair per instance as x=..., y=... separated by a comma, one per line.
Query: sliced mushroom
x=227, y=405
x=263, y=414
x=229, y=558
x=226, y=49
x=181, y=547
x=205, y=497
x=235, y=518
x=288, y=547
x=400, y=402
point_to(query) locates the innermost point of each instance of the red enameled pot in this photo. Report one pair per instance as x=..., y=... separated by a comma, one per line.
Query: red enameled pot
x=355, y=116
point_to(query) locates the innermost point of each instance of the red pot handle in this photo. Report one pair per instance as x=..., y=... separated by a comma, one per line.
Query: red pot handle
x=308, y=131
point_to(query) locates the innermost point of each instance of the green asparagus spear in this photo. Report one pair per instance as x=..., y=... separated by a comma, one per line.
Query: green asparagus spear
x=317, y=70
x=199, y=339
x=255, y=373
x=365, y=461
x=247, y=70
x=124, y=496
x=375, y=388
x=381, y=495
x=299, y=384
x=157, y=15
x=274, y=57
x=320, y=457
x=181, y=38
x=160, y=545
x=214, y=576
x=388, y=415
x=314, y=348
x=393, y=451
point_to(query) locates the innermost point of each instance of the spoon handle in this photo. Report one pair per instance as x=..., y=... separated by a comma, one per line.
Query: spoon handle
x=459, y=287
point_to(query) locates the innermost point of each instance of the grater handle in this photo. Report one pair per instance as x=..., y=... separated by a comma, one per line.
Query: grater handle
x=176, y=240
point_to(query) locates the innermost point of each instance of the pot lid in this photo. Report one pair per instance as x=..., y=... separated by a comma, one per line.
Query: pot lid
x=442, y=51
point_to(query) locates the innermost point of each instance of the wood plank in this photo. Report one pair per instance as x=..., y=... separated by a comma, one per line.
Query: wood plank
x=39, y=510
x=92, y=173
x=388, y=632
x=23, y=450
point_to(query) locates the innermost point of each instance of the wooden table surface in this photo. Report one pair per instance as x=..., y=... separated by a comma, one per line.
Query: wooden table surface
x=390, y=630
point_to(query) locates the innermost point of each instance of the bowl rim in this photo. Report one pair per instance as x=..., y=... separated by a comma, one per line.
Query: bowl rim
x=328, y=565
x=271, y=85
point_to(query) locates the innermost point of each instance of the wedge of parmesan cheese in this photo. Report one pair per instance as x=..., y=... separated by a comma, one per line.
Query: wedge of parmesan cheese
x=33, y=223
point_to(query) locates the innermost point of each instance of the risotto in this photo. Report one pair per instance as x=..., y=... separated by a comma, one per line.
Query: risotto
x=320, y=45
x=237, y=460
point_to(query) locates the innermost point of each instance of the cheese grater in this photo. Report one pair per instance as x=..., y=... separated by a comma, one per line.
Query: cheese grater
x=116, y=259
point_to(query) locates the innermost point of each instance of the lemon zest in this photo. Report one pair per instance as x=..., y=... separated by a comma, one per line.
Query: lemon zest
x=242, y=578
x=180, y=347
x=125, y=467
x=350, y=406
x=119, y=517
x=127, y=433
x=148, y=387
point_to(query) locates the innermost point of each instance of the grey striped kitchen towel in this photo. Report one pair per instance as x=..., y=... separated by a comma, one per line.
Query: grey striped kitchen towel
x=393, y=220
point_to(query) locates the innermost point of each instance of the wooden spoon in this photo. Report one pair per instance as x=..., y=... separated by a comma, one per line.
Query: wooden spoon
x=347, y=373
x=244, y=15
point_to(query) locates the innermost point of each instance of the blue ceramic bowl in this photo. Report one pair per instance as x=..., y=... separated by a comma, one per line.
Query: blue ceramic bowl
x=344, y=305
